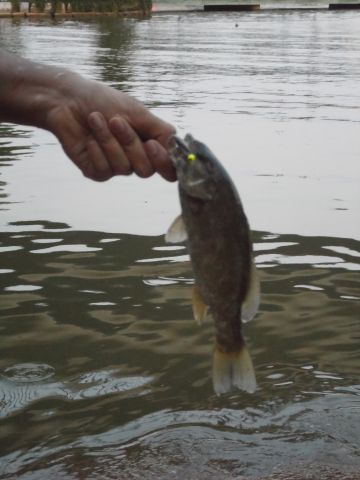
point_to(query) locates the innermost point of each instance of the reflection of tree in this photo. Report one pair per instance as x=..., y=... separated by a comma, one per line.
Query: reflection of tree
x=10, y=152
x=115, y=47
x=11, y=37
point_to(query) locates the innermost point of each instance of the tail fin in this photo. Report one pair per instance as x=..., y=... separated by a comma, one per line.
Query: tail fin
x=232, y=370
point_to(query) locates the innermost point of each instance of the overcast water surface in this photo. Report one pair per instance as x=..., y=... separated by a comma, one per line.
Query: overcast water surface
x=103, y=372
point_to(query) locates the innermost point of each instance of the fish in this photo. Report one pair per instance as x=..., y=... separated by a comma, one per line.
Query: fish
x=214, y=226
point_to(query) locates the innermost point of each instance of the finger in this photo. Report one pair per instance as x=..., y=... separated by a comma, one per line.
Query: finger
x=112, y=150
x=160, y=160
x=132, y=146
x=96, y=166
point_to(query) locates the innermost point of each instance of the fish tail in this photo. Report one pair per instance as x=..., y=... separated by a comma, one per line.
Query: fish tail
x=233, y=370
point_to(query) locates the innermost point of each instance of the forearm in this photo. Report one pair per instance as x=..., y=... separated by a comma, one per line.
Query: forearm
x=27, y=90
x=103, y=131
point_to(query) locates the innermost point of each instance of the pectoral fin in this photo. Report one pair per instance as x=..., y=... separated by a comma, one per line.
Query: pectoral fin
x=233, y=370
x=251, y=303
x=200, y=309
x=177, y=232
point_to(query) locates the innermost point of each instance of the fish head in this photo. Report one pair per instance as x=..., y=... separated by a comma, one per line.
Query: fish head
x=194, y=164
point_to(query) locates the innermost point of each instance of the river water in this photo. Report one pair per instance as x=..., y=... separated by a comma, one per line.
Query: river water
x=103, y=372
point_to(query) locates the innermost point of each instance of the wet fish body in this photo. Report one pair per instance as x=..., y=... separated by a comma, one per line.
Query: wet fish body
x=215, y=226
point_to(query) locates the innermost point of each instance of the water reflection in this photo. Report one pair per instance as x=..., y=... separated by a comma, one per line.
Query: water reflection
x=13, y=146
x=114, y=51
x=104, y=358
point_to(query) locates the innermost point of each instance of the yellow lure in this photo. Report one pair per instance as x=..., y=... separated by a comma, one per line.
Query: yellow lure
x=191, y=157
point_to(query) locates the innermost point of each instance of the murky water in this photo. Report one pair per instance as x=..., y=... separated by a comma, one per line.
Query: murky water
x=103, y=372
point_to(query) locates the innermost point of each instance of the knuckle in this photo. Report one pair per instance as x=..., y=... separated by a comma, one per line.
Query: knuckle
x=123, y=131
x=128, y=138
x=99, y=128
x=103, y=136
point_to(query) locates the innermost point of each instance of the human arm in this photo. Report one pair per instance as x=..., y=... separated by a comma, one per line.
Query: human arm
x=103, y=131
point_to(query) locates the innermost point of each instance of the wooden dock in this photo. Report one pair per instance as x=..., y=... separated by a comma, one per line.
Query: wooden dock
x=237, y=7
x=231, y=7
x=344, y=6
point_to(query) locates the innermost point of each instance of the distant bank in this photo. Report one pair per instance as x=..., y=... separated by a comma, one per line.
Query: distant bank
x=72, y=8
x=140, y=8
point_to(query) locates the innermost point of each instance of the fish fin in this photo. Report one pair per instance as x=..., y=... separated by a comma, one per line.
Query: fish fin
x=233, y=370
x=177, y=232
x=251, y=303
x=200, y=309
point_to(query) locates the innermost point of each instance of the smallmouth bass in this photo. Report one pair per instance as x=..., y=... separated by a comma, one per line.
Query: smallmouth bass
x=217, y=232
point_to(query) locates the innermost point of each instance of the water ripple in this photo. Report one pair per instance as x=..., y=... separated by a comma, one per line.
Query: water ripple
x=24, y=384
x=66, y=248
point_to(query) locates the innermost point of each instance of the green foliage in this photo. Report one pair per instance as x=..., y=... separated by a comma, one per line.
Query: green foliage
x=81, y=6
x=98, y=6
x=108, y=5
x=40, y=5
x=15, y=5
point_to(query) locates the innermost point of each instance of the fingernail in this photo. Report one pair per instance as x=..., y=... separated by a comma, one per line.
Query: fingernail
x=96, y=121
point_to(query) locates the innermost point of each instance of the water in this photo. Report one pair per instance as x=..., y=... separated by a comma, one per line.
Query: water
x=103, y=372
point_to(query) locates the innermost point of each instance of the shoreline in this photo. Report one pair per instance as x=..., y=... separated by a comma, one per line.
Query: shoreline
x=127, y=13
x=142, y=14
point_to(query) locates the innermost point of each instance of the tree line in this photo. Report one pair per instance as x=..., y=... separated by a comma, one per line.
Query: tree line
x=68, y=6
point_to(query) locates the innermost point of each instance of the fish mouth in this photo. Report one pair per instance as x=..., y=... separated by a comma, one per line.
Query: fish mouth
x=180, y=148
x=180, y=144
x=186, y=156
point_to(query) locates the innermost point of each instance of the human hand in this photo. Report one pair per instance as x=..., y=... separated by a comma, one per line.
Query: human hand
x=106, y=132
x=103, y=131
